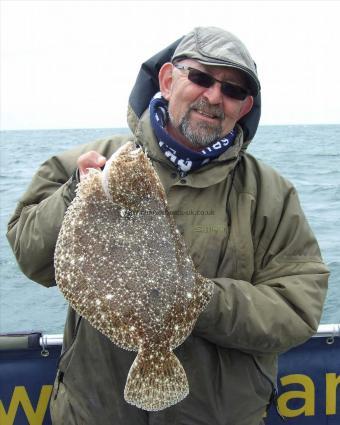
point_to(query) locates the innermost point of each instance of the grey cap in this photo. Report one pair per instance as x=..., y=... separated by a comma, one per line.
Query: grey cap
x=214, y=46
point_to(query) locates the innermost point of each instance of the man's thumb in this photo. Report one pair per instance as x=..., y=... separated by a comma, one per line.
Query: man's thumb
x=100, y=160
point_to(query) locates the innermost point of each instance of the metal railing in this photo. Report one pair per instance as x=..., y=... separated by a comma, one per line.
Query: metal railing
x=328, y=330
x=39, y=340
x=332, y=330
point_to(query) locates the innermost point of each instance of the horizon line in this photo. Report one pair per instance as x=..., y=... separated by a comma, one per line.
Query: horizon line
x=127, y=128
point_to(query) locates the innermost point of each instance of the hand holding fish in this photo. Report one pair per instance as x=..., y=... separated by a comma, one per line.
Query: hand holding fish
x=89, y=160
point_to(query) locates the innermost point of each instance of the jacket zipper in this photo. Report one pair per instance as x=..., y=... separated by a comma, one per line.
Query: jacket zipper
x=73, y=340
x=274, y=395
x=60, y=374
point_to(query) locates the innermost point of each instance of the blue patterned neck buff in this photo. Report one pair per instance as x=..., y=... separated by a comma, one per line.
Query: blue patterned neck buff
x=182, y=157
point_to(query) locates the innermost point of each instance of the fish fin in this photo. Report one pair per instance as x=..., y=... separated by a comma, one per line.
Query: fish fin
x=156, y=383
x=205, y=288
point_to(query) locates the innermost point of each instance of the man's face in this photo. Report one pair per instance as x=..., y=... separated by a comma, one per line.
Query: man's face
x=200, y=115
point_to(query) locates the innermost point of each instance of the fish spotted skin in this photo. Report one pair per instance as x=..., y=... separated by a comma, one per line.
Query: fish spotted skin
x=122, y=264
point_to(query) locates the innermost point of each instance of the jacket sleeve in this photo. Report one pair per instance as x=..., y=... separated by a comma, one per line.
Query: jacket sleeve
x=34, y=227
x=281, y=305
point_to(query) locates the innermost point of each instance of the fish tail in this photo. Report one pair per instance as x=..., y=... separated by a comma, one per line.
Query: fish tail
x=156, y=381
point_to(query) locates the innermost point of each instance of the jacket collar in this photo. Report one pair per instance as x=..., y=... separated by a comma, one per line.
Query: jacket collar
x=212, y=173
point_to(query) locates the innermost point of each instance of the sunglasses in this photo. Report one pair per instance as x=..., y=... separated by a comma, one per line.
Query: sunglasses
x=206, y=80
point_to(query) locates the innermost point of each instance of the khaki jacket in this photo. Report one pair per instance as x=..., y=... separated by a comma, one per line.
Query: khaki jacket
x=245, y=230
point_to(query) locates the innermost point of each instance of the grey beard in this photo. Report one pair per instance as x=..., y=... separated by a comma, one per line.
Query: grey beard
x=202, y=134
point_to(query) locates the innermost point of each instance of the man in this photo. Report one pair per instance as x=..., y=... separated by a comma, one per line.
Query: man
x=243, y=226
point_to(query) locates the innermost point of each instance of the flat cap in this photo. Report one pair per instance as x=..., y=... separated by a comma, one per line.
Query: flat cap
x=214, y=46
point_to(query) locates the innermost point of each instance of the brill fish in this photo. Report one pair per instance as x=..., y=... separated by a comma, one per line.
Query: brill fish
x=122, y=264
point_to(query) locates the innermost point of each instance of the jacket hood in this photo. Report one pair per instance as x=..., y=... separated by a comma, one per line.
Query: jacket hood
x=147, y=85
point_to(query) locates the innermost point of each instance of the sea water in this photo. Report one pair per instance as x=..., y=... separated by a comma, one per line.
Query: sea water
x=309, y=156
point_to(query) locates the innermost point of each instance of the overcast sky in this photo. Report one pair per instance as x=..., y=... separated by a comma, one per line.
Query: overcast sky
x=71, y=64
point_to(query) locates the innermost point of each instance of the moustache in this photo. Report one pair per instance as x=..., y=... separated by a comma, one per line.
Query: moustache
x=204, y=106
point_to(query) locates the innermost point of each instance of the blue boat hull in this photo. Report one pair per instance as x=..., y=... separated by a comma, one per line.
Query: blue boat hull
x=308, y=384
